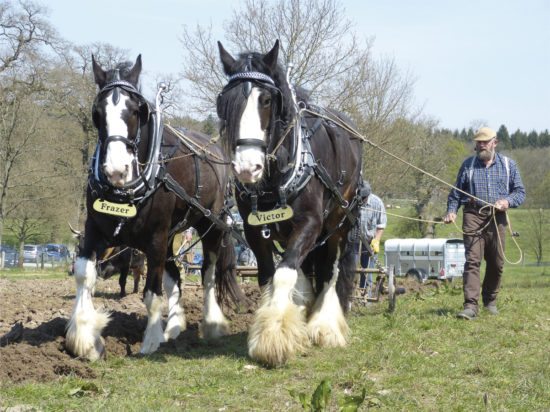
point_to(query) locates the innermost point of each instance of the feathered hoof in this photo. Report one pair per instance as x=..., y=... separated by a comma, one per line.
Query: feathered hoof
x=276, y=336
x=328, y=335
x=83, y=338
x=214, y=330
x=176, y=324
x=151, y=343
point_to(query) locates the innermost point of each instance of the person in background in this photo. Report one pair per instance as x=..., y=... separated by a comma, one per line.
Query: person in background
x=186, y=241
x=372, y=222
x=495, y=184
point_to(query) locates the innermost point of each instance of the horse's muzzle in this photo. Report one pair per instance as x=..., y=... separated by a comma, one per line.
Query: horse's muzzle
x=247, y=172
x=117, y=178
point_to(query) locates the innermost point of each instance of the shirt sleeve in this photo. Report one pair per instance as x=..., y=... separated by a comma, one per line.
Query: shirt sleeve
x=382, y=219
x=516, y=195
x=456, y=197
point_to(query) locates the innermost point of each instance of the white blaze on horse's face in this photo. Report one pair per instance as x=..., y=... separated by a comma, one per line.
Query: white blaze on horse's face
x=118, y=157
x=248, y=165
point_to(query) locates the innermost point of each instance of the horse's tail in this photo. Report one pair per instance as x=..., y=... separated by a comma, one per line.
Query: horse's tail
x=227, y=287
x=346, y=276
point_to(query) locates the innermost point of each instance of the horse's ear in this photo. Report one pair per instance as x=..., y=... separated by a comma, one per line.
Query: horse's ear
x=133, y=76
x=227, y=60
x=99, y=74
x=270, y=59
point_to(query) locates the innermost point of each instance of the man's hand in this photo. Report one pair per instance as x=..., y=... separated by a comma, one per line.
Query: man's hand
x=450, y=218
x=502, y=205
x=375, y=245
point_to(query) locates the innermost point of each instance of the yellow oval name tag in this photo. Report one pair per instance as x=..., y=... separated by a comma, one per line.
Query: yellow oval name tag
x=270, y=216
x=115, y=209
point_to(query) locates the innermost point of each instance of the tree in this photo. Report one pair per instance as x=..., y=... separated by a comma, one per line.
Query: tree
x=316, y=39
x=504, y=137
x=540, y=225
x=519, y=139
x=22, y=68
x=533, y=139
x=23, y=31
x=544, y=139
x=72, y=92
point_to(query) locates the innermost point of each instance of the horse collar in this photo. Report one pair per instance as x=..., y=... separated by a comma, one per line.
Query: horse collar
x=295, y=179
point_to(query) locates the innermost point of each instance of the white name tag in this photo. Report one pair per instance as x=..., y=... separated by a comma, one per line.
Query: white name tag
x=115, y=209
x=271, y=216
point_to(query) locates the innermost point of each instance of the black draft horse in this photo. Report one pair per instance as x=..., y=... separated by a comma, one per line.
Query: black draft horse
x=147, y=183
x=297, y=175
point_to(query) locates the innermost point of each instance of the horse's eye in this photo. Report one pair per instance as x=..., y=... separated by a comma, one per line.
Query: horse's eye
x=265, y=100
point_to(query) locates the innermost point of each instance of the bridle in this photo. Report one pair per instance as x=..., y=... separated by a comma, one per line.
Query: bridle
x=247, y=78
x=297, y=172
x=149, y=116
x=144, y=110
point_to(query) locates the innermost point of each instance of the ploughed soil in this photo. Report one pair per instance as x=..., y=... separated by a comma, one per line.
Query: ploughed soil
x=33, y=315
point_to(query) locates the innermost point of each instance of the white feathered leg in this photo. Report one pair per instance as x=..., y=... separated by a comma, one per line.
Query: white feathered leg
x=154, y=335
x=303, y=295
x=279, y=329
x=176, y=315
x=83, y=337
x=214, y=324
x=327, y=325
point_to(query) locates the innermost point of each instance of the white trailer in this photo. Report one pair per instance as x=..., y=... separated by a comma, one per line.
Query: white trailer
x=425, y=258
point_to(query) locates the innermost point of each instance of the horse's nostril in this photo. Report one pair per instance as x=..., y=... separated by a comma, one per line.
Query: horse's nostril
x=257, y=167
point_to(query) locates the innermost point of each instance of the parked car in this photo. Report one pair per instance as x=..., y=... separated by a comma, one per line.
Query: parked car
x=9, y=255
x=57, y=252
x=32, y=253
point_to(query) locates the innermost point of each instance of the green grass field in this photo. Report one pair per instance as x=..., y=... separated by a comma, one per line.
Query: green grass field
x=419, y=358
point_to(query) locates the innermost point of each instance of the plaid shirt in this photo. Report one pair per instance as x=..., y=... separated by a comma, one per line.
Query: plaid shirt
x=488, y=183
x=372, y=216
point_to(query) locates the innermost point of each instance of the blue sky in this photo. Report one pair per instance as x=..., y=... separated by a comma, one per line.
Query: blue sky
x=483, y=60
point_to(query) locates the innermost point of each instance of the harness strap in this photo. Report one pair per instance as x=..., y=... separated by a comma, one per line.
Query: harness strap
x=172, y=185
x=325, y=179
x=198, y=185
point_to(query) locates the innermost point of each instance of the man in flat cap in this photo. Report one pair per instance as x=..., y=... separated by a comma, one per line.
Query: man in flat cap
x=495, y=184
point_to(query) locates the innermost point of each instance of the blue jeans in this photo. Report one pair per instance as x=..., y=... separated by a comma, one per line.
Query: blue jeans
x=366, y=263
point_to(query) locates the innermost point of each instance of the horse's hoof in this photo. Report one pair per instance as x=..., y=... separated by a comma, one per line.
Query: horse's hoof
x=83, y=338
x=86, y=349
x=150, y=347
x=214, y=330
x=176, y=324
x=274, y=338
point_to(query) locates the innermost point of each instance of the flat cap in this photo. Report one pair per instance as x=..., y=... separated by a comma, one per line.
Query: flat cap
x=484, y=134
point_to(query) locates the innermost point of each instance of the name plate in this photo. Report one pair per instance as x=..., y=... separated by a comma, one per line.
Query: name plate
x=115, y=209
x=270, y=216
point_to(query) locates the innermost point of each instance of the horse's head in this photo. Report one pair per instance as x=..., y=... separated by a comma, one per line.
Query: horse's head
x=118, y=112
x=250, y=106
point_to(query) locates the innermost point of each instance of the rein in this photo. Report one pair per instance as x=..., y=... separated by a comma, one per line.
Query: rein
x=487, y=204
